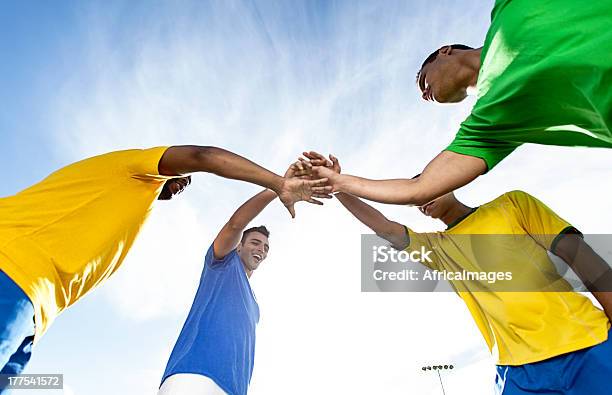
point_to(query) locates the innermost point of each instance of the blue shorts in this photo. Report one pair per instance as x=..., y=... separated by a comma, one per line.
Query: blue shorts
x=583, y=372
x=16, y=327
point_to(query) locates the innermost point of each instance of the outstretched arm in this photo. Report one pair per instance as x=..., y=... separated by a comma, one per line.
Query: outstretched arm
x=445, y=173
x=389, y=230
x=185, y=159
x=593, y=270
x=229, y=236
x=179, y=160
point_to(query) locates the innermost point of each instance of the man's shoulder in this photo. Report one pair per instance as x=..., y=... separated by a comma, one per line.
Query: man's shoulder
x=147, y=158
x=507, y=201
x=211, y=260
x=516, y=196
x=522, y=201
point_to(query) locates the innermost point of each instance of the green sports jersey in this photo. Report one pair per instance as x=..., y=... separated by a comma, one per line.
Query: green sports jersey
x=545, y=78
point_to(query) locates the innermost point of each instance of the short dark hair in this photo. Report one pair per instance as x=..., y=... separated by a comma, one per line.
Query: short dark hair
x=165, y=193
x=432, y=56
x=260, y=229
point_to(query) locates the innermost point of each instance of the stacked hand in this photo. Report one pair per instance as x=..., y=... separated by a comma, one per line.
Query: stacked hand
x=321, y=165
x=299, y=185
x=316, y=166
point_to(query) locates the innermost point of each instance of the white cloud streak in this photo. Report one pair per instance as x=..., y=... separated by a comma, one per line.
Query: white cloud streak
x=267, y=81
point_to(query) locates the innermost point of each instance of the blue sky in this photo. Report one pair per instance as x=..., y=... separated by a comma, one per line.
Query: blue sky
x=266, y=79
x=30, y=73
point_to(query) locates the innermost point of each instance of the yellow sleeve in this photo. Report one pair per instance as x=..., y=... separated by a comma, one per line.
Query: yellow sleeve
x=417, y=241
x=144, y=163
x=538, y=220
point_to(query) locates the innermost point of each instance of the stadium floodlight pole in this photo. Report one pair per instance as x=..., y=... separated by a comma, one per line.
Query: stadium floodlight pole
x=437, y=368
x=441, y=385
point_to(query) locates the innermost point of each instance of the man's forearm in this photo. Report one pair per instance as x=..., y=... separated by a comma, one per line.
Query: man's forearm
x=445, y=173
x=605, y=299
x=365, y=213
x=229, y=236
x=391, y=231
x=184, y=159
x=397, y=191
x=592, y=269
x=230, y=165
x=596, y=274
x=251, y=209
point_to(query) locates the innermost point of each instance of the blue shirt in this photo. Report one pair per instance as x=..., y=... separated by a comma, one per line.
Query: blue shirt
x=218, y=337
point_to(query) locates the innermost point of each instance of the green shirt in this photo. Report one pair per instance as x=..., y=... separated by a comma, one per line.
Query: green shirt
x=545, y=78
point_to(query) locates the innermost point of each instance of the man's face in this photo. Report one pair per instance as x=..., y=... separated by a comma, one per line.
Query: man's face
x=439, y=80
x=173, y=187
x=253, y=250
x=439, y=206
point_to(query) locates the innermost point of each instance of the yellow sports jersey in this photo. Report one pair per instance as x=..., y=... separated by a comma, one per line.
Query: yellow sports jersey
x=525, y=327
x=65, y=235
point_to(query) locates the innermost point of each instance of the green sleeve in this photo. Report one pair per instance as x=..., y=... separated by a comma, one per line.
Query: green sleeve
x=469, y=141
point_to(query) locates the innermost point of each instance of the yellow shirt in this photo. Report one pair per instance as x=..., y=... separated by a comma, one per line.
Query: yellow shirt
x=527, y=326
x=62, y=237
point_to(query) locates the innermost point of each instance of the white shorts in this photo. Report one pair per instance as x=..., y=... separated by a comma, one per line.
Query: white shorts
x=189, y=384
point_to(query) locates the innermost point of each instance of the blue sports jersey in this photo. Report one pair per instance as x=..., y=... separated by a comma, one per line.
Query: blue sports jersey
x=218, y=337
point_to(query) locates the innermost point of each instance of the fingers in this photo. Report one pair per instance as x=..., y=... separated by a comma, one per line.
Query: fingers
x=301, y=174
x=316, y=158
x=313, y=155
x=308, y=164
x=314, y=183
x=323, y=190
x=301, y=169
x=291, y=209
x=314, y=161
x=322, y=195
x=303, y=164
x=315, y=201
x=335, y=163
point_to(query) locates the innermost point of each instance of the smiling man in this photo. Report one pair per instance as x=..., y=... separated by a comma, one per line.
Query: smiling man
x=543, y=76
x=215, y=351
x=65, y=235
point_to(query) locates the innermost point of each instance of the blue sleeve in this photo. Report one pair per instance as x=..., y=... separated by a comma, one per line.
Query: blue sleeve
x=218, y=264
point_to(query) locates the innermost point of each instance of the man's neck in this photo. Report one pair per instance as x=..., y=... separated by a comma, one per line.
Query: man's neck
x=455, y=213
x=246, y=269
x=471, y=60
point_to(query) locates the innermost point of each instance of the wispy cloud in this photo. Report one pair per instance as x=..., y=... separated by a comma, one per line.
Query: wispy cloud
x=269, y=80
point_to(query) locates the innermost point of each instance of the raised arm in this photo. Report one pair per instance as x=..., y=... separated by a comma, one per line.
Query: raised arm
x=180, y=160
x=593, y=270
x=229, y=236
x=389, y=230
x=445, y=173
